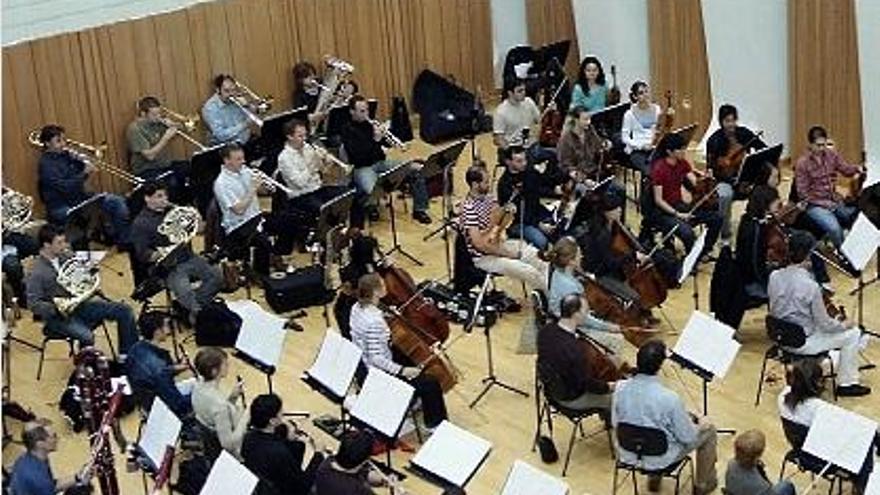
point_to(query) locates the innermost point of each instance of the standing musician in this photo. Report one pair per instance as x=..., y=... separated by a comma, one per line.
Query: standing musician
x=43, y=287
x=590, y=90
x=370, y=332
x=62, y=179
x=522, y=186
x=513, y=121
x=363, y=145
x=815, y=173
x=480, y=223
x=31, y=473
x=182, y=266
x=639, y=129
x=227, y=122
x=560, y=350
x=306, y=90
x=729, y=135
x=148, y=137
x=672, y=207
x=796, y=297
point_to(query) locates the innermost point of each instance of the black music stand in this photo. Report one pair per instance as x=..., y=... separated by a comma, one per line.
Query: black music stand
x=686, y=132
x=204, y=169
x=705, y=377
x=444, y=161
x=272, y=138
x=544, y=56
x=609, y=120
x=389, y=181
x=690, y=266
x=83, y=216
x=334, y=212
x=753, y=164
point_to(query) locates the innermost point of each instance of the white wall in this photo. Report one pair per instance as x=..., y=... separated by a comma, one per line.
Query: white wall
x=617, y=32
x=868, y=32
x=30, y=19
x=750, y=72
x=509, y=29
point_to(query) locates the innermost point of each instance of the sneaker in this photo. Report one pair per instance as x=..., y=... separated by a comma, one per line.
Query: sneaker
x=421, y=217
x=853, y=390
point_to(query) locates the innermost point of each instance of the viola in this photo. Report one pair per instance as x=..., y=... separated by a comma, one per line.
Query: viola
x=613, y=97
x=776, y=234
x=834, y=309
x=402, y=293
x=644, y=278
x=552, y=121
x=666, y=121
x=729, y=164
x=850, y=188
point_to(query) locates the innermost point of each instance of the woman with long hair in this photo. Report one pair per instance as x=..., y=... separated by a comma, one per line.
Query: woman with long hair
x=590, y=90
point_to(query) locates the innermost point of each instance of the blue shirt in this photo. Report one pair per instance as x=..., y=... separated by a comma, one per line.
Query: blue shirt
x=62, y=180
x=149, y=368
x=593, y=102
x=31, y=476
x=226, y=122
x=562, y=284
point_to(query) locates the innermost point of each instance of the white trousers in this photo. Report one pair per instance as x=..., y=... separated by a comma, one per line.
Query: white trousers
x=528, y=268
x=848, y=343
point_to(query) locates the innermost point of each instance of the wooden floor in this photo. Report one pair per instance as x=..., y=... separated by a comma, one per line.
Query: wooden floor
x=505, y=419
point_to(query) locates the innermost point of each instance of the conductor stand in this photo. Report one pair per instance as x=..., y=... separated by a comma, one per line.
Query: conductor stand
x=487, y=320
x=389, y=181
x=442, y=162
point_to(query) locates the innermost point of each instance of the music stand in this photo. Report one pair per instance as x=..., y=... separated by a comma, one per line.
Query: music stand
x=686, y=132
x=382, y=406
x=204, y=168
x=260, y=339
x=524, y=479
x=609, y=120
x=860, y=245
x=389, y=181
x=334, y=212
x=272, y=138
x=160, y=432
x=333, y=371
x=83, y=215
x=229, y=477
x=451, y=457
x=689, y=266
x=444, y=161
x=546, y=54
x=753, y=164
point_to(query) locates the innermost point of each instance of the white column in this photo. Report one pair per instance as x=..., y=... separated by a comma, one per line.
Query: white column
x=509, y=29
x=868, y=32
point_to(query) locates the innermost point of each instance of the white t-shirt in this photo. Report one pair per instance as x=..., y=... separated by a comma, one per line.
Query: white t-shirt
x=801, y=414
x=512, y=118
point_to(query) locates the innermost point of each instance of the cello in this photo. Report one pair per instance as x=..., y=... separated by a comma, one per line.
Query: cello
x=776, y=234
x=598, y=360
x=418, y=347
x=617, y=304
x=644, y=278
x=402, y=293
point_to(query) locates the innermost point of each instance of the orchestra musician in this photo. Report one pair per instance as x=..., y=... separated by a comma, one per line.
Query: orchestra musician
x=148, y=137
x=513, y=121
x=347, y=471
x=363, y=145
x=32, y=473
x=590, y=91
x=182, y=266
x=730, y=134
x=227, y=122
x=512, y=258
x=43, y=286
x=639, y=128
x=306, y=90
x=523, y=186
x=796, y=297
x=746, y=474
x=17, y=247
x=580, y=151
x=62, y=179
x=220, y=412
x=643, y=400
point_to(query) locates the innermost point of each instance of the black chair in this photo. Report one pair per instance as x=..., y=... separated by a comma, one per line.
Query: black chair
x=541, y=306
x=465, y=275
x=796, y=434
x=784, y=336
x=49, y=336
x=645, y=441
x=552, y=387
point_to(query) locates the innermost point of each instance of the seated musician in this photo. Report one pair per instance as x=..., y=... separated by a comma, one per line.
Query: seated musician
x=16, y=248
x=148, y=137
x=643, y=400
x=370, y=332
x=580, y=152
x=182, y=266
x=151, y=369
x=62, y=184
x=236, y=191
x=227, y=121
x=815, y=173
x=274, y=450
x=523, y=186
x=560, y=350
x=745, y=472
x=513, y=121
x=511, y=258
x=363, y=145
x=31, y=473
x=564, y=258
x=221, y=412
x=590, y=91
x=639, y=127
x=306, y=90
x=43, y=286
x=796, y=297
x=751, y=243
x=347, y=471
x=671, y=208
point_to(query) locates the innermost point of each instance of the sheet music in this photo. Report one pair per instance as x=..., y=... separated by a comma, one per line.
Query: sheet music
x=94, y=257
x=845, y=447
x=262, y=333
x=708, y=343
x=336, y=363
x=525, y=479
x=383, y=402
x=452, y=453
x=690, y=261
x=161, y=431
x=861, y=243
x=229, y=477
x=873, y=487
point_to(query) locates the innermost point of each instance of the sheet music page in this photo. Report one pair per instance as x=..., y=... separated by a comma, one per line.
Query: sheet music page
x=161, y=430
x=873, y=487
x=525, y=479
x=93, y=257
x=708, y=343
x=846, y=447
x=861, y=243
x=336, y=363
x=452, y=453
x=383, y=402
x=229, y=477
x=262, y=333
x=690, y=261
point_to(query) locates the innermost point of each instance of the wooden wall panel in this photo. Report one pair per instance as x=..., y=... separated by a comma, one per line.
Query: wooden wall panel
x=678, y=60
x=824, y=72
x=553, y=20
x=90, y=81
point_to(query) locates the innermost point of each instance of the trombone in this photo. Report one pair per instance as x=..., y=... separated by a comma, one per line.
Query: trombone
x=251, y=103
x=394, y=140
x=182, y=124
x=93, y=154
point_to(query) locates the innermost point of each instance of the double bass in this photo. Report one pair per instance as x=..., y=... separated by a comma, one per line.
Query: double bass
x=617, y=304
x=416, y=345
x=403, y=294
x=552, y=121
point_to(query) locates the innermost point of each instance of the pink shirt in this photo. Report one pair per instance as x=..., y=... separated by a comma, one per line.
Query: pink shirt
x=815, y=176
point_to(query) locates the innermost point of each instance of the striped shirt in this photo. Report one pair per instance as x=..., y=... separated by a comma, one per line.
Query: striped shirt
x=476, y=212
x=371, y=334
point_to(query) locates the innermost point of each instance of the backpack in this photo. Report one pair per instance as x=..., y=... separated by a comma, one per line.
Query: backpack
x=217, y=325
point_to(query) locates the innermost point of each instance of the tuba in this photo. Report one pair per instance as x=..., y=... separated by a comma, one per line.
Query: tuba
x=337, y=71
x=180, y=225
x=100, y=404
x=17, y=210
x=79, y=278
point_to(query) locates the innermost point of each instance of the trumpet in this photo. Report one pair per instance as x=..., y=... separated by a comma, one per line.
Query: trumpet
x=182, y=124
x=251, y=103
x=394, y=140
x=268, y=181
x=324, y=154
x=93, y=154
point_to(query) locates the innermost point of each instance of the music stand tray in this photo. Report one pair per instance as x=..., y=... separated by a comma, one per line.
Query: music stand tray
x=272, y=132
x=437, y=162
x=452, y=456
x=389, y=181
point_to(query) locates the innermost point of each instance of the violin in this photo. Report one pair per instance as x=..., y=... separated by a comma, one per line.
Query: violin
x=666, y=121
x=552, y=121
x=613, y=97
x=728, y=165
x=402, y=293
x=644, y=278
x=776, y=234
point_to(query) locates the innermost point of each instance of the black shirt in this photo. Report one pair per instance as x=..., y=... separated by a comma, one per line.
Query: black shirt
x=362, y=149
x=330, y=481
x=532, y=186
x=561, y=351
x=62, y=180
x=278, y=463
x=302, y=98
x=751, y=251
x=145, y=238
x=718, y=143
x=597, y=256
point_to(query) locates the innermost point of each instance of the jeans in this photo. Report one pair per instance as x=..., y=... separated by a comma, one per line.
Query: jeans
x=92, y=313
x=180, y=282
x=532, y=234
x=433, y=406
x=784, y=487
x=685, y=232
x=725, y=204
x=833, y=221
x=252, y=233
x=113, y=206
x=365, y=179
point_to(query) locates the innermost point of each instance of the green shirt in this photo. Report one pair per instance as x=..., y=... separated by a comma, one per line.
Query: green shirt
x=142, y=135
x=593, y=102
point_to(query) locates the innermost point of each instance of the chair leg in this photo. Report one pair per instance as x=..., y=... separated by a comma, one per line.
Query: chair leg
x=574, y=428
x=761, y=381
x=635, y=482
x=42, y=358
x=614, y=480
x=109, y=340
x=833, y=378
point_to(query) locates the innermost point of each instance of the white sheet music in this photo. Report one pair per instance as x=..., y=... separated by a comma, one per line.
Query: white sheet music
x=262, y=333
x=525, y=479
x=93, y=257
x=383, y=402
x=452, y=453
x=690, y=261
x=873, y=487
x=845, y=447
x=708, y=343
x=861, y=243
x=161, y=430
x=229, y=477
x=336, y=363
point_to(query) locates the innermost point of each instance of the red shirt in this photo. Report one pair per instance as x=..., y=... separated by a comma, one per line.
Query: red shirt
x=670, y=178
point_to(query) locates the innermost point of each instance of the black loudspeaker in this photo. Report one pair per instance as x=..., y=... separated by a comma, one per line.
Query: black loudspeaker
x=300, y=289
x=447, y=110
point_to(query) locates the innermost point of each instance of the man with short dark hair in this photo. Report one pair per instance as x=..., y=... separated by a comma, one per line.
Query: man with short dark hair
x=523, y=186
x=151, y=370
x=148, y=137
x=227, y=121
x=513, y=121
x=31, y=473
x=347, y=471
x=644, y=401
